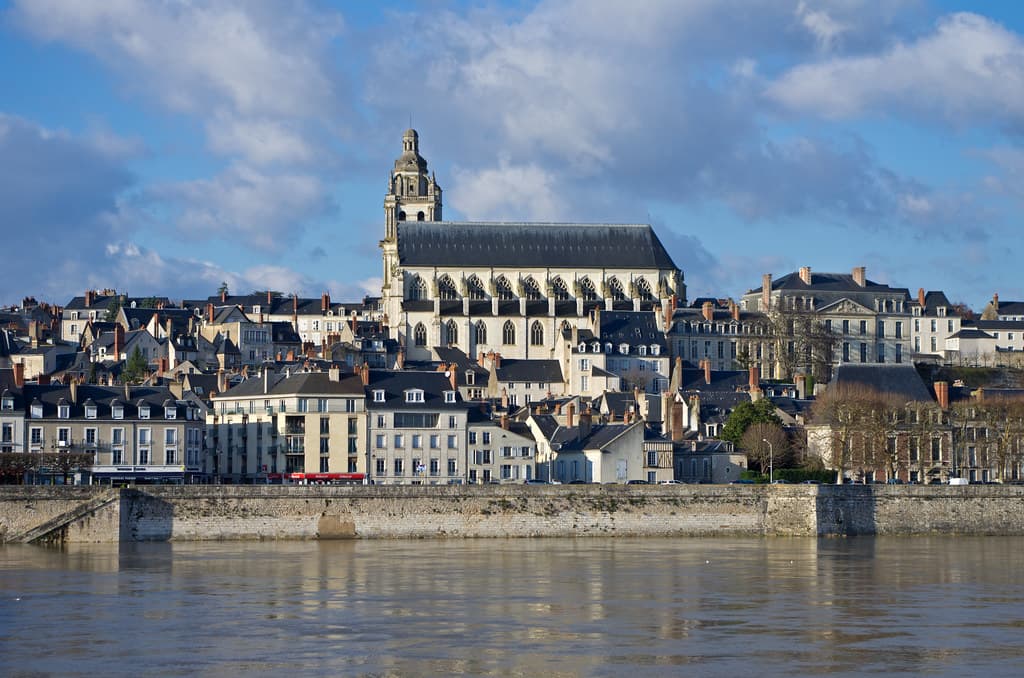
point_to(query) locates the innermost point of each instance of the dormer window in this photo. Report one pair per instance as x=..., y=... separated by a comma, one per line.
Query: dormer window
x=470, y=377
x=655, y=349
x=256, y=309
x=414, y=395
x=117, y=411
x=641, y=350
x=624, y=349
x=37, y=410
x=378, y=396
x=90, y=411
x=608, y=347
x=449, y=396
x=7, y=403
x=582, y=347
x=170, y=412
x=63, y=411
x=143, y=411
x=595, y=347
x=941, y=310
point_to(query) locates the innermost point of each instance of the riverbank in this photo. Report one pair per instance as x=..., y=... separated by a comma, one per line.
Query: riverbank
x=224, y=512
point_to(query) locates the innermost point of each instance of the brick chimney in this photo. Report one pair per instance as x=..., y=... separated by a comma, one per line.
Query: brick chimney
x=735, y=309
x=118, y=341
x=766, y=292
x=270, y=299
x=364, y=373
x=859, y=274
x=325, y=302
x=676, y=421
x=453, y=377
x=480, y=360
x=497, y=361
x=209, y=313
x=19, y=374
x=920, y=296
x=90, y=296
x=805, y=274
x=223, y=296
x=706, y=364
x=942, y=394
x=504, y=420
x=708, y=309
x=586, y=423
x=570, y=413
x=161, y=367
x=73, y=391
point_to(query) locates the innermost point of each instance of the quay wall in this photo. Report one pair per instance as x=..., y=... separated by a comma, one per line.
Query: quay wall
x=219, y=512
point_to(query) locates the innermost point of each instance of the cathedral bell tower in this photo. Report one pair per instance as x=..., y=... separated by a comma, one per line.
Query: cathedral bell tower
x=413, y=195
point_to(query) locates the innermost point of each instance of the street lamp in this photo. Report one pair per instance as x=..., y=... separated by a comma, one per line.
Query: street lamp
x=771, y=460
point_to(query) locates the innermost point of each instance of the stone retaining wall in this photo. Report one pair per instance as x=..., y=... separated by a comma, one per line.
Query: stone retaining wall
x=210, y=512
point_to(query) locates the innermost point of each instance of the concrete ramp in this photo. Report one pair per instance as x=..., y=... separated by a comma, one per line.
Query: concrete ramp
x=54, y=526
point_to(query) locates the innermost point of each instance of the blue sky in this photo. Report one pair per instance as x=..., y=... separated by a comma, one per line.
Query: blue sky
x=162, y=147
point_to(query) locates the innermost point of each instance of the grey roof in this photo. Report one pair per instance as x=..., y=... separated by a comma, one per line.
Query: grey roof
x=104, y=397
x=632, y=327
x=836, y=282
x=395, y=384
x=900, y=380
x=969, y=333
x=1011, y=308
x=531, y=245
x=305, y=383
x=528, y=371
x=933, y=300
x=1000, y=325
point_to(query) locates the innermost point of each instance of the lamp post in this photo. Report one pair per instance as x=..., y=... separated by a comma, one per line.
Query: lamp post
x=771, y=461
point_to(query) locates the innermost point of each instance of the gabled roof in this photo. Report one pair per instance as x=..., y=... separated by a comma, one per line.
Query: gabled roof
x=900, y=380
x=531, y=245
x=304, y=383
x=525, y=370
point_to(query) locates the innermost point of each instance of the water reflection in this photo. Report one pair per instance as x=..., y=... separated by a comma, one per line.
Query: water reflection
x=601, y=607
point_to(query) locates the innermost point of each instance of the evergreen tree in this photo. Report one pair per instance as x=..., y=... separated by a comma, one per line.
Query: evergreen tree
x=136, y=368
x=745, y=414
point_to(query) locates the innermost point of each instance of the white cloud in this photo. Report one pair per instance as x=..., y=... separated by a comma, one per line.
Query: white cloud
x=507, y=191
x=820, y=24
x=968, y=70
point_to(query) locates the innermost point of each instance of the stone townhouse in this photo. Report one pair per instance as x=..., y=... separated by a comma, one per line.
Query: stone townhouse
x=933, y=320
x=509, y=288
x=820, y=320
x=282, y=427
x=417, y=427
x=589, y=452
x=724, y=334
x=125, y=434
x=500, y=451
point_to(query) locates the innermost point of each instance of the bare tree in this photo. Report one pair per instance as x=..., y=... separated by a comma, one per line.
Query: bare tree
x=764, y=442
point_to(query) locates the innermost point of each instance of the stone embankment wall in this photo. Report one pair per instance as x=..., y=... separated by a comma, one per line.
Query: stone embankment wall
x=323, y=512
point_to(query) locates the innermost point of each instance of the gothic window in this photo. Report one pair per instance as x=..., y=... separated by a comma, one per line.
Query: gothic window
x=503, y=289
x=566, y=328
x=417, y=289
x=585, y=289
x=643, y=290
x=451, y=332
x=475, y=288
x=536, y=334
x=481, y=332
x=446, y=289
x=531, y=290
x=420, y=335
x=508, y=333
x=558, y=289
x=615, y=290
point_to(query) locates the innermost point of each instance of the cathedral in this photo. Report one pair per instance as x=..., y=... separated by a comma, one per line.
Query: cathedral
x=507, y=287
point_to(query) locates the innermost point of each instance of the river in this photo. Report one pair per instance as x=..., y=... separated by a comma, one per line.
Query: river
x=523, y=607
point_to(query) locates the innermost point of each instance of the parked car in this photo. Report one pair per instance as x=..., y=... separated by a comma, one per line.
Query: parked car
x=637, y=482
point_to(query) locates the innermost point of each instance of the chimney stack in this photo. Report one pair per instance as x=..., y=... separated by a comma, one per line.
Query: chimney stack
x=209, y=313
x=270, y=299
x=570, y=411
x=497, y=361
x=920, y=296
x=223, y=296
x=73, y=391
x=19, y=374
x=118, y=341
x=859, y=276
x=801, y=386
x=90, y=296
x=334, y=374
x=735, y=308
x=364, y=373
x=805, y=274
x=706, y=364
x=325, y=302
x=708, y=309
x=222, y=381
x=766, y=292
x=586, y=423
x=453, y=376
x=504, y=420
x=480, y=360
x=942, y=394
x=400, y=359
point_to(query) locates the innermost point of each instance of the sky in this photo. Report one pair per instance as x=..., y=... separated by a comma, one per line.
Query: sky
x=162, y=147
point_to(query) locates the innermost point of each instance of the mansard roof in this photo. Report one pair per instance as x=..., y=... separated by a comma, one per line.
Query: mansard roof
x=829, y=282
x=532, y=245
x=900, y=380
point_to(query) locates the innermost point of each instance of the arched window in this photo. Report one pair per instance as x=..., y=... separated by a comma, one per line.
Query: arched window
x=643, y=290
x=420, y=335
x=475, y=289
x=530, y=289
x=503, y=289
x=417, y=289
x=480, y=330
x=508, y=333
x=615, y=290
x=585, y=289
x=566, y=328
x=446, y=289
x=536, y=334
x=420, y=216
x=558, y=289
x=401, y=216
x=451, y=333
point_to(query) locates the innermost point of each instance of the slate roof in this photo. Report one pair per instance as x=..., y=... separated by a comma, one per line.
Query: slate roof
x=395, y=384
x=304, y=383
x=933, y=300
x=1011, y=308
x=104, y=397
x=970, y=333
x=1000, y=325
x=531, y=245
x=632, y=327
x=900, y=380
x=834, y=282
x=528, y=371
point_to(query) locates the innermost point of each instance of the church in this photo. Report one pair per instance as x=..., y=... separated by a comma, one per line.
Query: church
x=507, y=287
